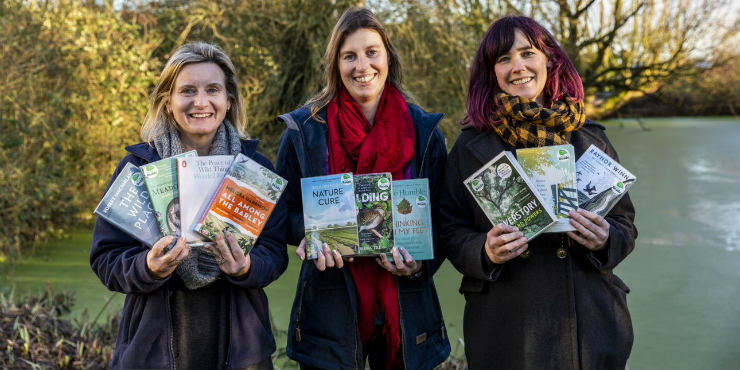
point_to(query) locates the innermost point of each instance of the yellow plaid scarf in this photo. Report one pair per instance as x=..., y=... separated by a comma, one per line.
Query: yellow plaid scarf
x=524, y=122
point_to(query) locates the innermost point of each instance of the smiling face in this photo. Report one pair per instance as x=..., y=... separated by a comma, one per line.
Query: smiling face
x=522, y=71
x=199, y=100
x=363, y=65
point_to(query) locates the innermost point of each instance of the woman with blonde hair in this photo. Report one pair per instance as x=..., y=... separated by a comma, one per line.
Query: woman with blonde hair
x=192, y=308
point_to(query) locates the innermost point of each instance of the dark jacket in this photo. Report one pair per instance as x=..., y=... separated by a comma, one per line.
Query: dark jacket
x=323, y=328
x=145, y=329
x=543, y=312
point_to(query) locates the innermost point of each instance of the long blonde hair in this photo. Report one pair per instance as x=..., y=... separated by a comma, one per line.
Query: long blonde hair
x=157, y=117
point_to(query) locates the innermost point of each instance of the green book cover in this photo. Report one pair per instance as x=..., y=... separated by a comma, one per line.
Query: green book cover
x=412, y=218
x=506, y=196
x=161, y=181
x=374, y=213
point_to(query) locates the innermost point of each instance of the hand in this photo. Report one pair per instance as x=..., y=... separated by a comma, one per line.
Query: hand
x=325, y=257
x=504, y=243
x=161, y=263
x=593, y=230
x=405, y=266
x=230, y=256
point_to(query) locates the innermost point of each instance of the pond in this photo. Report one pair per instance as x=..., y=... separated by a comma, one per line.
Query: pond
x=684, y=273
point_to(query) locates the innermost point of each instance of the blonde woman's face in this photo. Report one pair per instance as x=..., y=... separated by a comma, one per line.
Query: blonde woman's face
x=363, y=65
x=199, y=99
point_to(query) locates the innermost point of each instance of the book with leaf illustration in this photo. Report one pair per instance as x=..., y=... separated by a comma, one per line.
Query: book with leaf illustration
x=412, y=218
x=602, y=181
x=242, y=203
x=330, y=214
x=127, y=206
x=504, y=193
x=197, y=180
x=161, y=181
x=373, y=194
x=552, y=170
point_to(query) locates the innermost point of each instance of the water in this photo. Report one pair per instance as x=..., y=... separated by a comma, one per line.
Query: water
x=684, y=272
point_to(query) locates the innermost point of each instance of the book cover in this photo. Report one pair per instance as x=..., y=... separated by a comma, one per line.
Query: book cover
x=330, y=214
x=601, y=181
x=161, y=182
x=126, y=205
x=197, y=180
x=374, y=213
x=505, y=195
x=552, y=170
x=242, y=202
x=412, y=218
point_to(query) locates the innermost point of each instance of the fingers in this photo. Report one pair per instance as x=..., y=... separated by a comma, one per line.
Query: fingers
x=162, y=263
x=320, y=261
x=301, y=250
x=403, y=264
x=592, y=229
x=504, y=243
x=338, y=260
x=328, y=256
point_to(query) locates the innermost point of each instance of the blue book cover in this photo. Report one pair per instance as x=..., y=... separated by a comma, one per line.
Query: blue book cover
x=329, y=214
x=412, y=218
x=127, y=205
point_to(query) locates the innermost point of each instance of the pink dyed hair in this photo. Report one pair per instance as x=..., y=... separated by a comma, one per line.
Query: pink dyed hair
x=562, y=78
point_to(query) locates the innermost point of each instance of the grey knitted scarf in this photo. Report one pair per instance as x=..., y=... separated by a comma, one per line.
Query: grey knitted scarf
x=199, y=268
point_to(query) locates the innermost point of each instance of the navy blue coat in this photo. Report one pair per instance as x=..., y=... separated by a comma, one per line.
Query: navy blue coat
x=323, y=329
x=145, y=329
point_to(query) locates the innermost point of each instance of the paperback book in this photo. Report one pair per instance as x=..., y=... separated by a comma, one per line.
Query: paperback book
x=242, y=203
x=197, y=180
x=161, y=182
x=127, y=206
x=330, y=214
x=505, y=195
x=601, y=181
x=552, y=170
x=374, y=213
x=412, y=218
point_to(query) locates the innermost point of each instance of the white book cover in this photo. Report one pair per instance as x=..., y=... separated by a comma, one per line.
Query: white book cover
x=198, y=178
x=602, y=181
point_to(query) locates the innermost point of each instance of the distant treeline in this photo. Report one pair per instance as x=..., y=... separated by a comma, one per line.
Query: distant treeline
x=76, y=74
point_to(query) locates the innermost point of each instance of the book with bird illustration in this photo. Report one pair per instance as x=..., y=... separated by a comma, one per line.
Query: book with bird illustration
x=242, y=203
x=373, y=197
x=127, y=206
x=602, y=181
x=505, y=194
x=161, y=182
x=552, y=170
x=330, y=214
x=412, y=218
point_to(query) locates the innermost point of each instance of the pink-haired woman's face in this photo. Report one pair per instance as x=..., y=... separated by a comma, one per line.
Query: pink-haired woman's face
x=523, y=70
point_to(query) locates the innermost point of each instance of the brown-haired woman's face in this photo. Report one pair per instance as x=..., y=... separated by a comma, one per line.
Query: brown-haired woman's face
x=523, y=70
x=199, y=99
x=363, y=65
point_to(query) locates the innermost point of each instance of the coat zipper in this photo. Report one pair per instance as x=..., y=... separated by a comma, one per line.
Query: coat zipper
x=298, y=316
x=172, y=335
x=403, y=330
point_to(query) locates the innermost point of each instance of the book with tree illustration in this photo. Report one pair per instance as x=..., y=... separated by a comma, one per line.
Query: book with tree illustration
x=602, y=181
x=374, y=213
x=242, y=202
x=505, y=195
x=127, y=206
x=161, y=181
x=412, y=218
x=552, y=170
x=197, y=180
x=330, y=214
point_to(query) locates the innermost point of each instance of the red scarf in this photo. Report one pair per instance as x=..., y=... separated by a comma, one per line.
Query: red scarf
x=387, y=146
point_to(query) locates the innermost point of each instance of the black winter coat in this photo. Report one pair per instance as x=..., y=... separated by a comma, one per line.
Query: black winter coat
x=542, y=312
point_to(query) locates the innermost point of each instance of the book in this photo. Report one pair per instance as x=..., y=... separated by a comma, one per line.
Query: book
x=552, y=170
x=242, y=203
x=374, y=213
x=602, y=181
x=330, y=214
x=412, y=218
x=127, y=206
x=161, y=182
x=504, y=193
x=197, y=180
